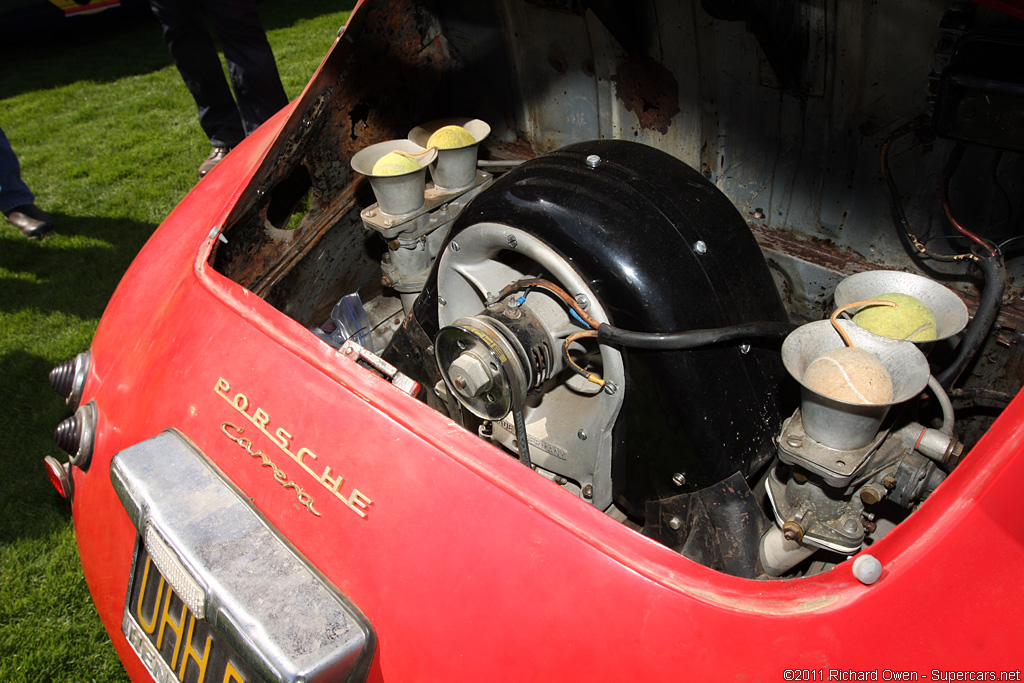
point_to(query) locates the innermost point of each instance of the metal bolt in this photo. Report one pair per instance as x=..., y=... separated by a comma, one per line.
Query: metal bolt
x=386, y=281
x=583, y=301
x=441, y=301
x=470, y=376
x=700, y=247
x=744, y=349
x=889, y=482
x=610, y=388
x=588, y=491
x=678, y=478
x=675, y=524
x=792, y=531
x=758, y=213
x=850, y=526
x=593, y=160
x=455, y=246
x=371, y=213
x=581, y=434
x=512, y=243
x=794, y=441
x=394, y=245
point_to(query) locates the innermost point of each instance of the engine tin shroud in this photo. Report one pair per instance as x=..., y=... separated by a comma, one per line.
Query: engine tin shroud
x=630, y=223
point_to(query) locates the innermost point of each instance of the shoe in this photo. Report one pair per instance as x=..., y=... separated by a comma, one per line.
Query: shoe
x=216, y=155
x=31, y=220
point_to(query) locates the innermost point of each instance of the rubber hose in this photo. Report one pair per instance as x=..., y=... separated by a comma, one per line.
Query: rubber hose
x=994, y=271
x=948, y=416
x=692, y=339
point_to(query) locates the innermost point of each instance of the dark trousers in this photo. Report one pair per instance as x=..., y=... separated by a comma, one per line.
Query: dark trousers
x=13, y=190
x=251, y=65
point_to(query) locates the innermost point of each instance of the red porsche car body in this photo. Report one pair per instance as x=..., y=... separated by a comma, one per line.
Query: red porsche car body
x=323, y=511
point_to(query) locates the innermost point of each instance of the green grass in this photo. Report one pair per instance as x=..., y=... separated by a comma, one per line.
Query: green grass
x=109, y=141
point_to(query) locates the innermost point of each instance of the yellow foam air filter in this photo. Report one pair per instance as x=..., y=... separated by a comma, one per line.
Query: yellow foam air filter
x=849, y=374
x=450, y=137
x=394, y=163
x=909, y=320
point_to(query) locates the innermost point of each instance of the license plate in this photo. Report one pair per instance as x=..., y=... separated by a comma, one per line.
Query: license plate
x=174, y=645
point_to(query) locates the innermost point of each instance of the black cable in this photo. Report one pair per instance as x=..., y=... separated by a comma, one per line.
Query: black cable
x=994, y=270
x=1002, y=245
x=899, y=215
x=691, y=339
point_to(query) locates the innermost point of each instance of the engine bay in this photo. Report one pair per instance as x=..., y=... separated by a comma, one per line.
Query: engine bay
x=664, y=217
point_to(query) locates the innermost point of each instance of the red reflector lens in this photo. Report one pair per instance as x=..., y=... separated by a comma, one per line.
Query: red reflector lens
x=59, y=476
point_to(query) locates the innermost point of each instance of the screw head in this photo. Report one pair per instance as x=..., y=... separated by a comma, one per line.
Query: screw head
x=744, y=349
x=581, y=434
x=675, y=524
x=583, y=301
x=593, y=160
x=588, y=491
x=610, y=388
x=678, y=478
x=455, y=246
x=701, y=247
x=512, y=242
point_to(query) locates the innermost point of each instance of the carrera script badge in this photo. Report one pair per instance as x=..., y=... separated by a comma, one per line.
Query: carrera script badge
x=330, y=480
x=280, y=477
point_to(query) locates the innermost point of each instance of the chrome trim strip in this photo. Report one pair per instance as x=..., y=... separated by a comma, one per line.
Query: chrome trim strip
x=83, y=362
x=278, y=612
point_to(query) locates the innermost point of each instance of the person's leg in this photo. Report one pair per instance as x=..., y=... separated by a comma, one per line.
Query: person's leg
x=16, y=199
x=251, y=65
x=13, y=190
x=195, y=55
